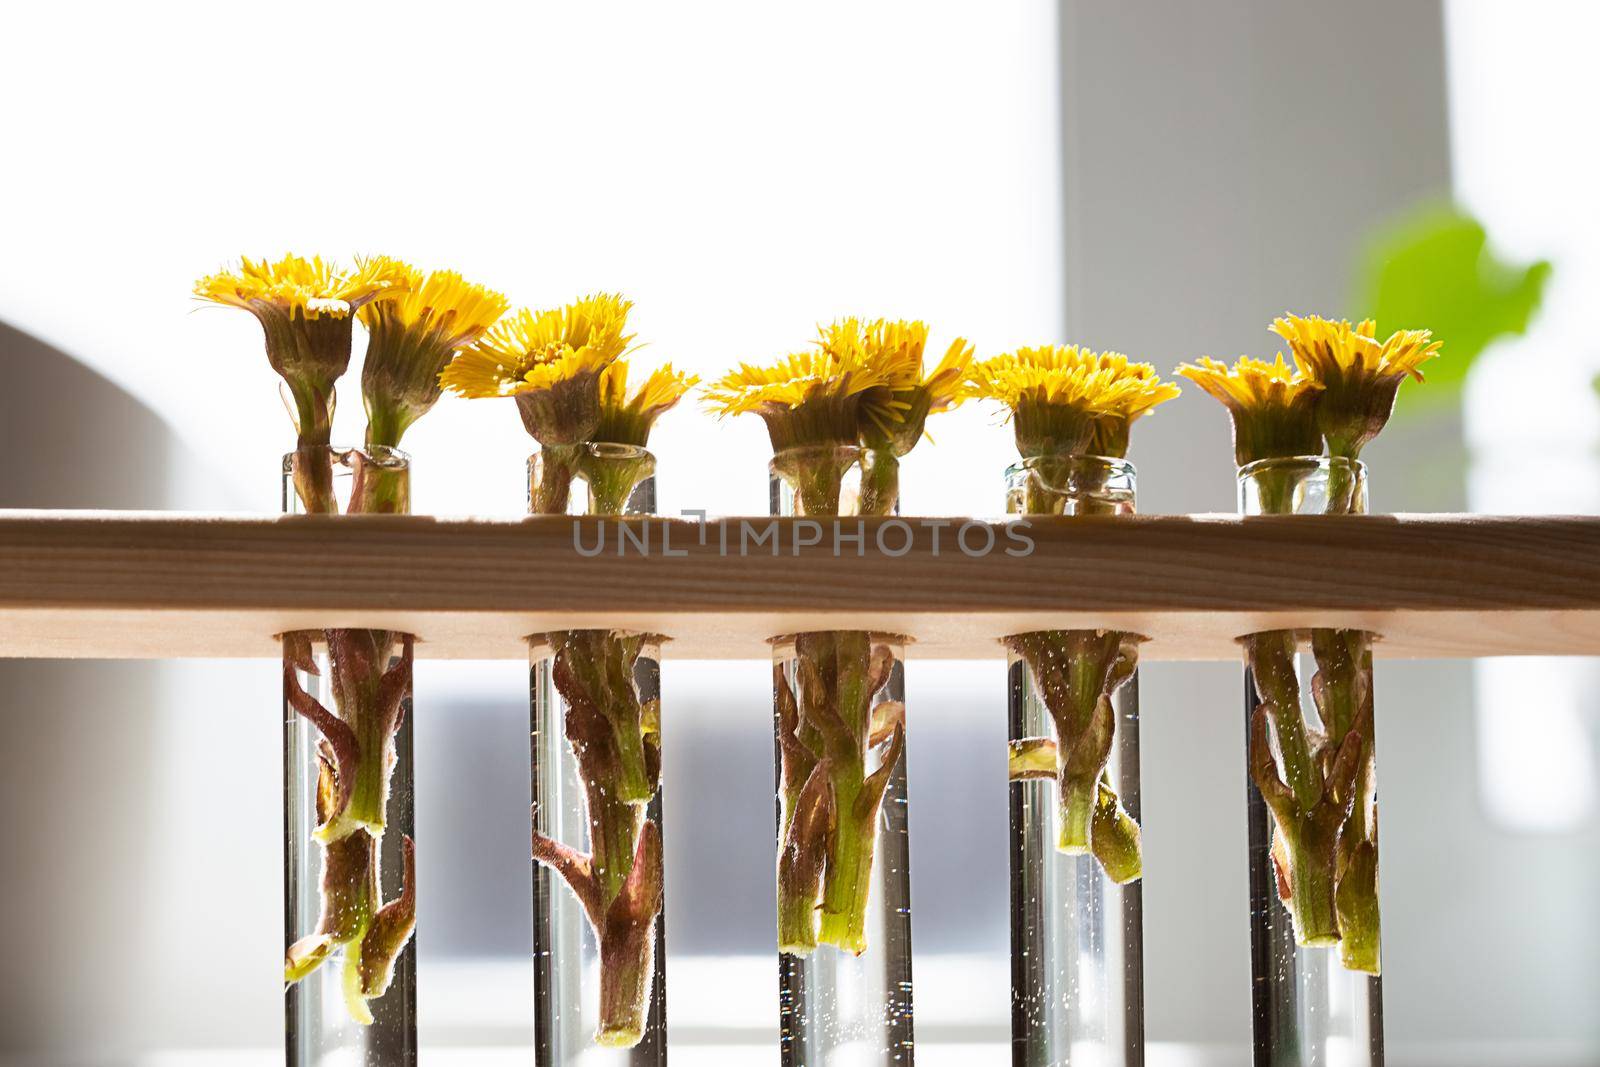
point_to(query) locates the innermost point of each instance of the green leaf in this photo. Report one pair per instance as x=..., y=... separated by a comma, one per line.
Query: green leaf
x=1433, y=269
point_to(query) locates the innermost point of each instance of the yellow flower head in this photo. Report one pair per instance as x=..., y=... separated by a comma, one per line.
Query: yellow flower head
x=550, y=361
x=896, y=415
x=410, y=341
x=628, y=419
x=1272, y=405
x=1067, y=399
x=1359, y=375
x=813, y=397
x=305, y=308
x=312, y=288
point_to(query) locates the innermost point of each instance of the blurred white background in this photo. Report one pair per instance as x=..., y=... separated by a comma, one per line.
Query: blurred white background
x=1160, y=178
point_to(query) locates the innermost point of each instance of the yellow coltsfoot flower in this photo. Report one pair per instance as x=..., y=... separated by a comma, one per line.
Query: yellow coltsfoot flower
x=809, y=398
x=895, y=418
x=1272, y=405
x=1064, y=399
x=615, y=463
x=1359, y=375
x=1139, y=390
x=305, y=307
x=410, y=341
x=550, y=362
x=863, y=385
x=627, y=418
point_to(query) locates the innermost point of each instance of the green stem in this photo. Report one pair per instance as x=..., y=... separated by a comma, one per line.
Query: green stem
x=1344, y=692
x=391, y=928
x=1038, y=499
x=1337, y=654
x=611, y=479
x=1074, y=674
x=627, y=946
x=797, y=910
x=880, y=482
x=1326, y=820
x=619, y=882
x=556, y=470
x=1116, y=837
x=313, y=462
x=847, y=877
x=1272, y=655
x=825, y=727
x=1310, y=830
x=806, y=821
x=1045, y=491
x=1341, y=485
x=1078, y=797
x=601, y=662
x=634, y=783
x=378, y=488
x=357, y=660
x=613, y=835
x=1357, y=903
x=626, y=966
x=620, y=655
x=385, y=425
x=815, y=475
x=349, y=901
x=1312, y=848
x=1275, y=490
x=847, y=880
x=829, y=730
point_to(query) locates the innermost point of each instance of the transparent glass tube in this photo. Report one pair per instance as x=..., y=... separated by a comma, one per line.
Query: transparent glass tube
x=350, y=996
x=600, y=990
x=1077, y=940
x=1317, y=998
x=844, y=897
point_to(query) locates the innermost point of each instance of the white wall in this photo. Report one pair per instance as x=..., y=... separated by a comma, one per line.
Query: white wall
x=1222, y=163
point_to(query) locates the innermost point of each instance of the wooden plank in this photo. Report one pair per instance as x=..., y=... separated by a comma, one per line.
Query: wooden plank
x=147, y=584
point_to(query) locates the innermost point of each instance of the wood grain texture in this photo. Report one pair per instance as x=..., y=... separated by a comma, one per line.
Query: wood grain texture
x=147, y=584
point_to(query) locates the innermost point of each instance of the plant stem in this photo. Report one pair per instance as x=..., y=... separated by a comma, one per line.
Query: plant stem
x=627, y=946
x=1275, y=489
x=378, y=487
x=1343, y=691
x=313, y=462
x=554, y=489
x=359, y=660
x=880, y=482
x=1312, y=847
x=828, y=729
x=1076, y=814
x=1357, y=903
x=1074, y=674
x=611, y=478
x=627, y=956
x=1341, y=486
x=1272, y=656
x=619, y=882
x=805, y=823
x=847, y=880
x=815, y=477
x=357, y=754
x=1116, y=837
x=1324, y=808
x=1309, y=817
